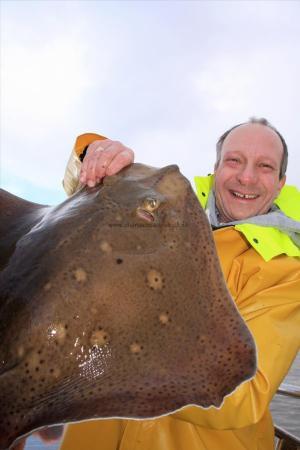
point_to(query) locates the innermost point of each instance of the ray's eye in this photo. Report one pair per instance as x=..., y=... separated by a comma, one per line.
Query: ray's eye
x=145, y=211
x=150, y=204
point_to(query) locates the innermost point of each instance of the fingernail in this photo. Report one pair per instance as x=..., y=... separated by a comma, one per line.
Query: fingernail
x=91, y=183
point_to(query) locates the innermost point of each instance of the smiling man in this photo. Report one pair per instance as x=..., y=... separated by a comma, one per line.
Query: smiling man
x=256, y=223
x=248, y=171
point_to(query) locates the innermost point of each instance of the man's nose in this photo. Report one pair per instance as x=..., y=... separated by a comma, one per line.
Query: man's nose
x=247, y=175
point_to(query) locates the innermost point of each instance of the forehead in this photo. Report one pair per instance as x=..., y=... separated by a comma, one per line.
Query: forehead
x=254, y=139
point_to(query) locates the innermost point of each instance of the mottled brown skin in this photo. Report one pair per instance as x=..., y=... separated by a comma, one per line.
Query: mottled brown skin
x=114, y=305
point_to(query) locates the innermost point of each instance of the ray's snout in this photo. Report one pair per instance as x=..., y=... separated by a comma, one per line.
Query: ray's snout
x=171, y=168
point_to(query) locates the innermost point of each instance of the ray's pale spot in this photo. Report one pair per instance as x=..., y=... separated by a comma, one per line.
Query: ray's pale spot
x=135, y=348
x=57, y=333
x=105, y=247
x=99, y=338
x=47, y=286
x=173, y=185
x=162, y=371
x=21, y=351
x=202, y=339
x=164, y=318
x=155, y=280
x=60, y=333
x=33, y=360
x=173, y=220
x=118, y=217
x=80, y=275
x=172, y=245
x=56, y=372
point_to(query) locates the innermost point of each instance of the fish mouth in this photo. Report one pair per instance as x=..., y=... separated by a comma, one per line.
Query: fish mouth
x=243, y=196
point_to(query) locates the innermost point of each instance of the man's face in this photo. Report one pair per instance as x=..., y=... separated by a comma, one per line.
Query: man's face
x=247, y=176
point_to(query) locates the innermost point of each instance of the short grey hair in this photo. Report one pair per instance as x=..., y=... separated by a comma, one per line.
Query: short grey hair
x=261, y=121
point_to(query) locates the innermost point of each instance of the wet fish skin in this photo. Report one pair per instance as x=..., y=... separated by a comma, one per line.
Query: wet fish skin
x=113, y=304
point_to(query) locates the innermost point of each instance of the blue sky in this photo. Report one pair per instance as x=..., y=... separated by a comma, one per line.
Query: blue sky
x=164, y=77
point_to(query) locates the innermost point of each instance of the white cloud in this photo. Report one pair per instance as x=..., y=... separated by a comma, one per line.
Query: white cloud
x=46, y=77
x=45, y=80
x=263, y=80
x=166, y=80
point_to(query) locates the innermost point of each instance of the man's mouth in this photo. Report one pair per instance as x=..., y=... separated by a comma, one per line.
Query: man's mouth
x=244, y=196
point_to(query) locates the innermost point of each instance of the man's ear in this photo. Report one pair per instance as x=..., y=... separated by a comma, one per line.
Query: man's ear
x=281, y=183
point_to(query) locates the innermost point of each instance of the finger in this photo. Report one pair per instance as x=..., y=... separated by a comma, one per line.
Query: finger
x=96, y=164
x=94, y=156
x=105, y=159
x=92, y=150
x=84, y=164
x=82, y=176
x=121, y=160
x=87, y=170
x=90, y=171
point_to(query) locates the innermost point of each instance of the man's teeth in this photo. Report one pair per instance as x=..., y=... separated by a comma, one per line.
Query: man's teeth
x=251, y=196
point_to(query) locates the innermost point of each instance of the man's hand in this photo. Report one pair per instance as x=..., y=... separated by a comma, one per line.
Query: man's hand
x=103, y=158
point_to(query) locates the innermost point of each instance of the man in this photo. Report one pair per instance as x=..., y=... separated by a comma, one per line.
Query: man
x=256, y=223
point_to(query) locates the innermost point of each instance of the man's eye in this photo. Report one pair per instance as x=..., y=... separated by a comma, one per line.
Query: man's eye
x=235, y=160
x=268, y=166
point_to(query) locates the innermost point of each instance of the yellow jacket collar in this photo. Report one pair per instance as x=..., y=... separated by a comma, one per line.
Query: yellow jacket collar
x=269, y=242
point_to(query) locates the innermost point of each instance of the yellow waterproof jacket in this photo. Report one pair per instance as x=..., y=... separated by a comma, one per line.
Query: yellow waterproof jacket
x=267, y=294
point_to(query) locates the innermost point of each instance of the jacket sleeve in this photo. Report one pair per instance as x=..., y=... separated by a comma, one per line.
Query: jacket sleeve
x=272, y=313
x=71, y=177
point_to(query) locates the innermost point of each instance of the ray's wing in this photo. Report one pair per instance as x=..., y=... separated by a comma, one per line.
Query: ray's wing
x=17, y=217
